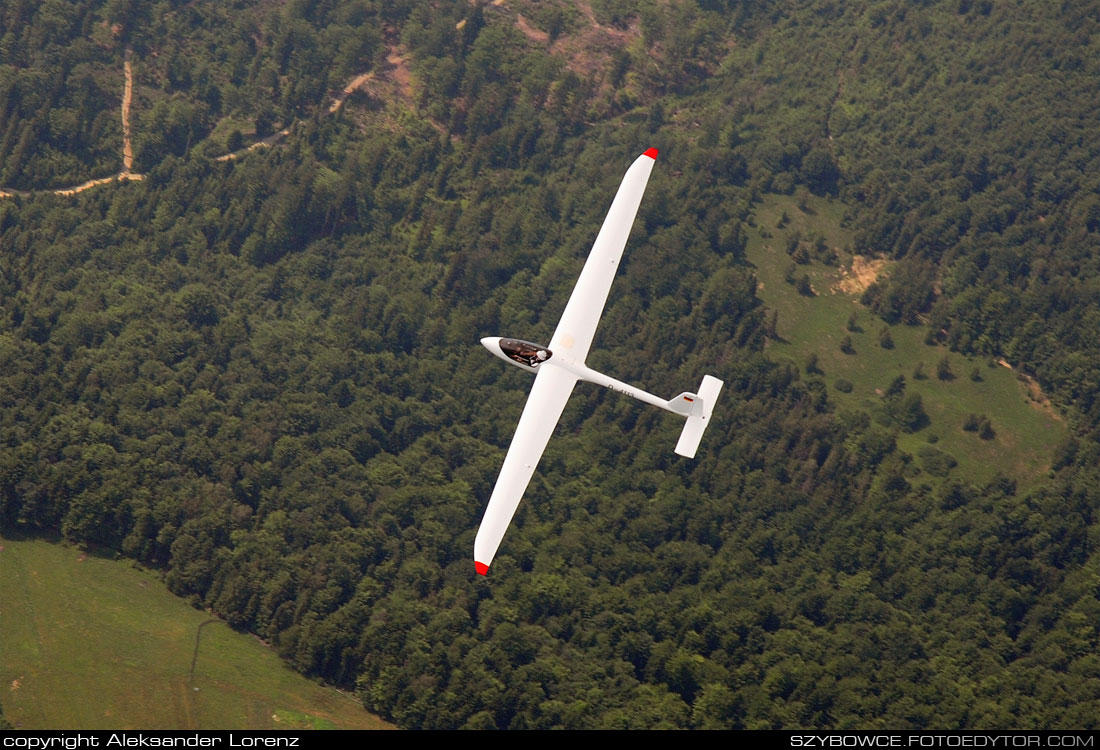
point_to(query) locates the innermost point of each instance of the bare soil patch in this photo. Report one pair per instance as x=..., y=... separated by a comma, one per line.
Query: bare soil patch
x=863, y=273
x=397, y=69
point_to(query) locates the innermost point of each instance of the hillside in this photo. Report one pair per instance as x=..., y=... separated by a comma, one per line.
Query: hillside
x=823, y=330
x=260, y=375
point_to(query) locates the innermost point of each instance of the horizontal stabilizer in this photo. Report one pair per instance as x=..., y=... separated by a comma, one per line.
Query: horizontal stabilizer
x=698, y=416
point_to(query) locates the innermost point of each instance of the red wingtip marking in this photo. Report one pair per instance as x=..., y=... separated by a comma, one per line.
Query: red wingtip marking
x=651, y=153
x=482, y=568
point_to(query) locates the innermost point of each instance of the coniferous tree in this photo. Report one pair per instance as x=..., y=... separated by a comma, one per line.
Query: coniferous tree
x=943, y=369
x=812, y=366
x=895, y=389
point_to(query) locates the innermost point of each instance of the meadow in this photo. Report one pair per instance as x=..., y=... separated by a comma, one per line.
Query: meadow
x=95, y=643
x=816, y=321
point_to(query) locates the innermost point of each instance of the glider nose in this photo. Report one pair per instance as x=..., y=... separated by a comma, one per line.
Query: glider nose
x=492, y=343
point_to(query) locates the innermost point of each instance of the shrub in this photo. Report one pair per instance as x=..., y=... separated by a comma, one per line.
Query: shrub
x=936, y=462
x=885, y=340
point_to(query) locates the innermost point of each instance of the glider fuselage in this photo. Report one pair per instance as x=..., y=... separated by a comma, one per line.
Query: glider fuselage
x=528, y=356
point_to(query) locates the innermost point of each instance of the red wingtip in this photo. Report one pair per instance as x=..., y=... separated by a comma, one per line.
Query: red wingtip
x=651, y=153
x=482, y=568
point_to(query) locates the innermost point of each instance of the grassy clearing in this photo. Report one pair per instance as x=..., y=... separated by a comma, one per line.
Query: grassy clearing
x=1026, y=429
x=220, y=133
x=92, y=643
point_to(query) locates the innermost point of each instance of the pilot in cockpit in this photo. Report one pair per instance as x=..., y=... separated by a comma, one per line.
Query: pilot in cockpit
x=525, y=352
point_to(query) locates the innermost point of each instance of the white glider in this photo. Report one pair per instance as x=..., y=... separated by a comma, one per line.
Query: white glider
x=559, y=367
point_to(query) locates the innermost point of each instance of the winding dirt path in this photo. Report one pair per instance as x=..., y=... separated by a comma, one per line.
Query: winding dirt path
x=529, y=31
x=126, y=172
x=355, y=83
x=585, y=8
x=270, y=140
x=395, y=69
x=395, y=60
x=400, y=73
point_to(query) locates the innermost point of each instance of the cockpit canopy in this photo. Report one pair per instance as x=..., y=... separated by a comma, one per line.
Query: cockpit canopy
x=524, y=352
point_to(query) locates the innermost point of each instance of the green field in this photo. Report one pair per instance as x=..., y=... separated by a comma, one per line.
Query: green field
x=92, y=643
x=1026, y=427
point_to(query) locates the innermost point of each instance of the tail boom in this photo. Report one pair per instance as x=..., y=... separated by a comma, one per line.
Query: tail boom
x=696, y=407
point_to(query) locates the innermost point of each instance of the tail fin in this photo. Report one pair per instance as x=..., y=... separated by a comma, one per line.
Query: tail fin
x=686, y=403
x=697, y=409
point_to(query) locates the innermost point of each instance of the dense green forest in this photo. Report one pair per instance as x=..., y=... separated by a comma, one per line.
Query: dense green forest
x=261, y=375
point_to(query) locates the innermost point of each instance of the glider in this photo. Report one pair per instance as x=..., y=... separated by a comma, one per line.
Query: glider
x=559, y=366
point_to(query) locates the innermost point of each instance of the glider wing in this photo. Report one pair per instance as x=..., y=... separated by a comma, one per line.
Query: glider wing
x=577, y=326
x=544, y=406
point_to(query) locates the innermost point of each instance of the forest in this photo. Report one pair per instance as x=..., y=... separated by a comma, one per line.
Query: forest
x=261, y=375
